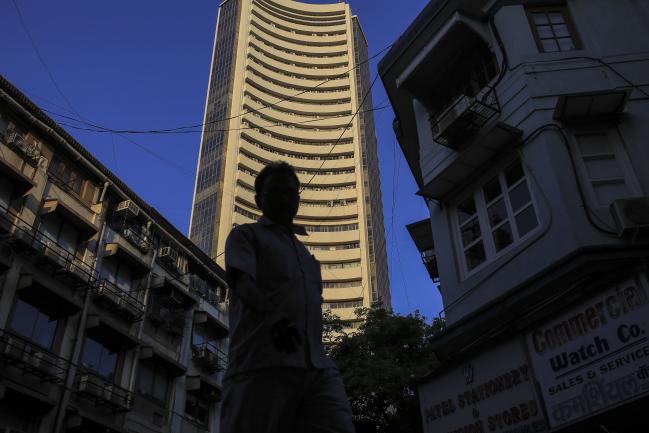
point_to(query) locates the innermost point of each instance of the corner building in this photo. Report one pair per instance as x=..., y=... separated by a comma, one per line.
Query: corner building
x=286, y=81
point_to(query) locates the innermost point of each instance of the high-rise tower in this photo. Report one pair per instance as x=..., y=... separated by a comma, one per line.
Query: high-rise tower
x=290, y=81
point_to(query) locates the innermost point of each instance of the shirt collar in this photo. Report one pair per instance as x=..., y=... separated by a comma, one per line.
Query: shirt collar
x=297, y=229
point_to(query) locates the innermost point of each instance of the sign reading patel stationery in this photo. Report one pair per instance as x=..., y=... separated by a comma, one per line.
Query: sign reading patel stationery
x=491, y=392
x=596, y=355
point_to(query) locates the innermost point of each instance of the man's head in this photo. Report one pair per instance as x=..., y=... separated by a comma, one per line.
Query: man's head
x=277, y=192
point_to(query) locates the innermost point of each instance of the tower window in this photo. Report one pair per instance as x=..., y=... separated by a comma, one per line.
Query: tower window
x=553, y=29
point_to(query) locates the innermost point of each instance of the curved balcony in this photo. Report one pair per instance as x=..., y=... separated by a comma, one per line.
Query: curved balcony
x=259, y=32
x=332, y=255
x=298, y=84
x=319, y=73
x=293, y=26
x=317, y=179
x=297, y=107
x=286, y=134
x=343, y=293
x=300, y=60
x=310, y=194
x=341, y=274
x=309, y=10
x=307, y=18
x=267, y=153
x=299, y=39
x=330, y=237
x=279, y=116
x=298, y=95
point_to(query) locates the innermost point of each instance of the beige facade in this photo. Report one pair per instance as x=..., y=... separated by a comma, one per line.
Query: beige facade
x=290, y=81
x=110, y=319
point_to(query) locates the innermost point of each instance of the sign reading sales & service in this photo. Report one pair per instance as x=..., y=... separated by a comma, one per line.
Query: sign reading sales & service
x=596, y=355
x=492, y=392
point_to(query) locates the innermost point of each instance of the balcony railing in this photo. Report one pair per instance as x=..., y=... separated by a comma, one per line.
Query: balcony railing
x=32, y=359
x=205, y=291
x=102, y=392
x=187, y=424
x=464, y=117
x=429, y=259
x=66, y=264
x=119, y=300
x=27, y=150
x=209, y=357
x=133, y=233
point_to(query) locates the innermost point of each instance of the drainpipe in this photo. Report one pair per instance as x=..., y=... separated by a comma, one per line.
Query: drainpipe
x=76, y=349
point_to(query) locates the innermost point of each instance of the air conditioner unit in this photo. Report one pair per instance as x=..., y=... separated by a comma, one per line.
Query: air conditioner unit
x=631, y=216
x=128, y=206
x=168, y=255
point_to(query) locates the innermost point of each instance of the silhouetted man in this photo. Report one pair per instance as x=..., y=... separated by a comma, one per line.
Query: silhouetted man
x=279, y=379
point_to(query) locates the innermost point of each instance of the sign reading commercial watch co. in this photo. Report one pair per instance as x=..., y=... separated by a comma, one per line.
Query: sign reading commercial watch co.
x=492, y=392
x=596, y=355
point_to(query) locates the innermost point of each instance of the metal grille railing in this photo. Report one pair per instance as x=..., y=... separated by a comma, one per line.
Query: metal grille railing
x=102, y=392
x=120, y=300
x=209, y=357
x=31, y=358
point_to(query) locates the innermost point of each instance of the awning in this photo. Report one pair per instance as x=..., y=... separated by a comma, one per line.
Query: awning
x=203, y=318
x=603, y=105
x=116, y=337
x=460, y=166
x=71, y=215
x=23, y=401
x=204, y=387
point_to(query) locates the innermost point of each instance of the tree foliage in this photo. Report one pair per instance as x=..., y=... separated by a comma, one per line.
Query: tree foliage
x=380, y=363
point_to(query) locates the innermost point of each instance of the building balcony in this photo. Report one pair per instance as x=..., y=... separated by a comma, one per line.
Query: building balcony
x=31, y=359
x=11, y=167
x=19, y=145
x=101, y=392
x=204, y=387
x=170, y=320
x=66, y=265
x=267, y=36
x=63, y=201
x=131, y=245
x=209, y=357
x=422, y=235
x=118, y=300
x=185, y=424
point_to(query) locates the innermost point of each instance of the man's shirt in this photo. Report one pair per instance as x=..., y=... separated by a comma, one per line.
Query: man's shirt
x=289, y=281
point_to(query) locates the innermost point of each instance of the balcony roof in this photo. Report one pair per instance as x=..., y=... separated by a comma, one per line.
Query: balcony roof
x=458, y=167
x=20, y=181
x=49, y=300
x=174, y=367
x=421, y=233
x=130, y=255
x=68, y=213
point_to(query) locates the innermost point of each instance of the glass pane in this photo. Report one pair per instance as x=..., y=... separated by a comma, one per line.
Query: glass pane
x=526, y=221
x=24, y=318
x=549, y=46
x=474, y=256
x=513, y=173
x=44, y=330
x=502, y=236
x=561, y=31
x=107, y=364
x=556, y=18
x=594, y=144
x=603, y=168
x=497, y=212
x=470, y=231
x=198, y=336
x=466, y=209
x=609, y=191
x=545, y=32
x=160, y=387
x=519, y=196
x=540, y=18
x=145, y=379
x=91, y=354
x=566, y=44
x=492, y=190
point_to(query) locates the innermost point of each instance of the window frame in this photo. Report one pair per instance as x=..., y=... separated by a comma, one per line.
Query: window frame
x=621, y=157
x=87, y=189
x=118, y=358
x=481, y=205
x=569, y=22
x=39, y=312
x=158, y=371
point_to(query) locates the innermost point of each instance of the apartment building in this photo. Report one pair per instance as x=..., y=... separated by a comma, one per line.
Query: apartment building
x=525, y=125
x=110, y=319
x=290, y=81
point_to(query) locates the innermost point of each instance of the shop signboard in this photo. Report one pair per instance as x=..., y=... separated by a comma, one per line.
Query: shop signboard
x=491, y=392
x=594, y=356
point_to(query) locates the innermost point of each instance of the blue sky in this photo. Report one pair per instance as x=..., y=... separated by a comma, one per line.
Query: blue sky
x=144, y=65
